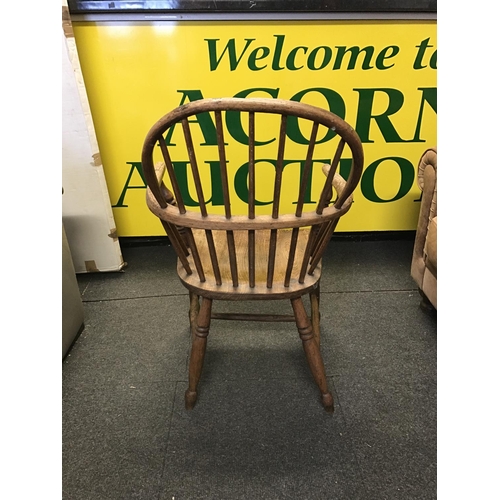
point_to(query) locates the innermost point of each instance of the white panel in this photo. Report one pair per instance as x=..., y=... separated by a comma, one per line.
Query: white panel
x=86, y=209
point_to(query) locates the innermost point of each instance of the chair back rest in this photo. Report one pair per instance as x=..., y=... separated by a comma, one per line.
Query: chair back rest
x=178, y=217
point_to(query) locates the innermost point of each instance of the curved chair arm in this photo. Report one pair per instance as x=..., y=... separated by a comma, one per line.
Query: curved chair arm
x=339, y=184
x=160, y=172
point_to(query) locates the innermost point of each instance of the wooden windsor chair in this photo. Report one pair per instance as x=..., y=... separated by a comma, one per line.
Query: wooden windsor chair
x=218, y=257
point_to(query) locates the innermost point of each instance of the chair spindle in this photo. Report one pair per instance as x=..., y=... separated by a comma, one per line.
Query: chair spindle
x=319, y=237
x=276, y=202
x=307, y=170
x=251, y=197
x=251, y=165
x=291, y=256
x=307, y=253
x=178, y=244
x=171, y=174
x=196, y=256
x=326, y=194
x=223, y=163
x=232, y=257
x=213, y=256
x=271, y=258
x=322, y=245
x=181, y=231
x=194, y=166
x=279, y=168
x=251, y=258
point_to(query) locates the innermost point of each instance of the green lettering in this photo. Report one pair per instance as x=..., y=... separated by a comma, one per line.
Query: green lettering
x=368, y=179
x=233, y=118
x=135, y=165
x=422, y=48
x=433, y=61
x=203, y=120
x=181, y=173
x=335, y=104
x=254, y=57
x=355, y=51
x=241, y=182
x=327, y=56
x=290, y=59
x=307, y=194
x=217, y=198
x=230, y=48
x=365, y=116
x=345, y=166
x=379, y=63
x=429, y=96
x=278, y=49
x=241, y=179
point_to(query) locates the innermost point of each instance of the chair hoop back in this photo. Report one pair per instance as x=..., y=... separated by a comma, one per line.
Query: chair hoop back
x=205, y=241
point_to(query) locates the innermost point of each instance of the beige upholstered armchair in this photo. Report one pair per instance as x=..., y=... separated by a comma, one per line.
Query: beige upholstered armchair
x=424, y=262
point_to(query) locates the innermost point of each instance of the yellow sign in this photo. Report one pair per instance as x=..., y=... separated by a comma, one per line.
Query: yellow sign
x=379, y=76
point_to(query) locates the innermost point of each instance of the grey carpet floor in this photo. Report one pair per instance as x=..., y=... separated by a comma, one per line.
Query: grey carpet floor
x=258, y=429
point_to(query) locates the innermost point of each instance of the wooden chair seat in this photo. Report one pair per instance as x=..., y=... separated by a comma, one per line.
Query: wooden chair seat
x=254, y=256
x=243, y=291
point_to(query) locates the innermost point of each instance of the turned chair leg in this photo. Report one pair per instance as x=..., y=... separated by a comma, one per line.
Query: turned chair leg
x=315, y=315
x=194, y=309
x=312, y=351
x=198, y=351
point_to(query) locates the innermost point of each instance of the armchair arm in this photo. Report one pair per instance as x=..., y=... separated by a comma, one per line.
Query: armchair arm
x=338, y=183
x=160, y=172
x=427, y=182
